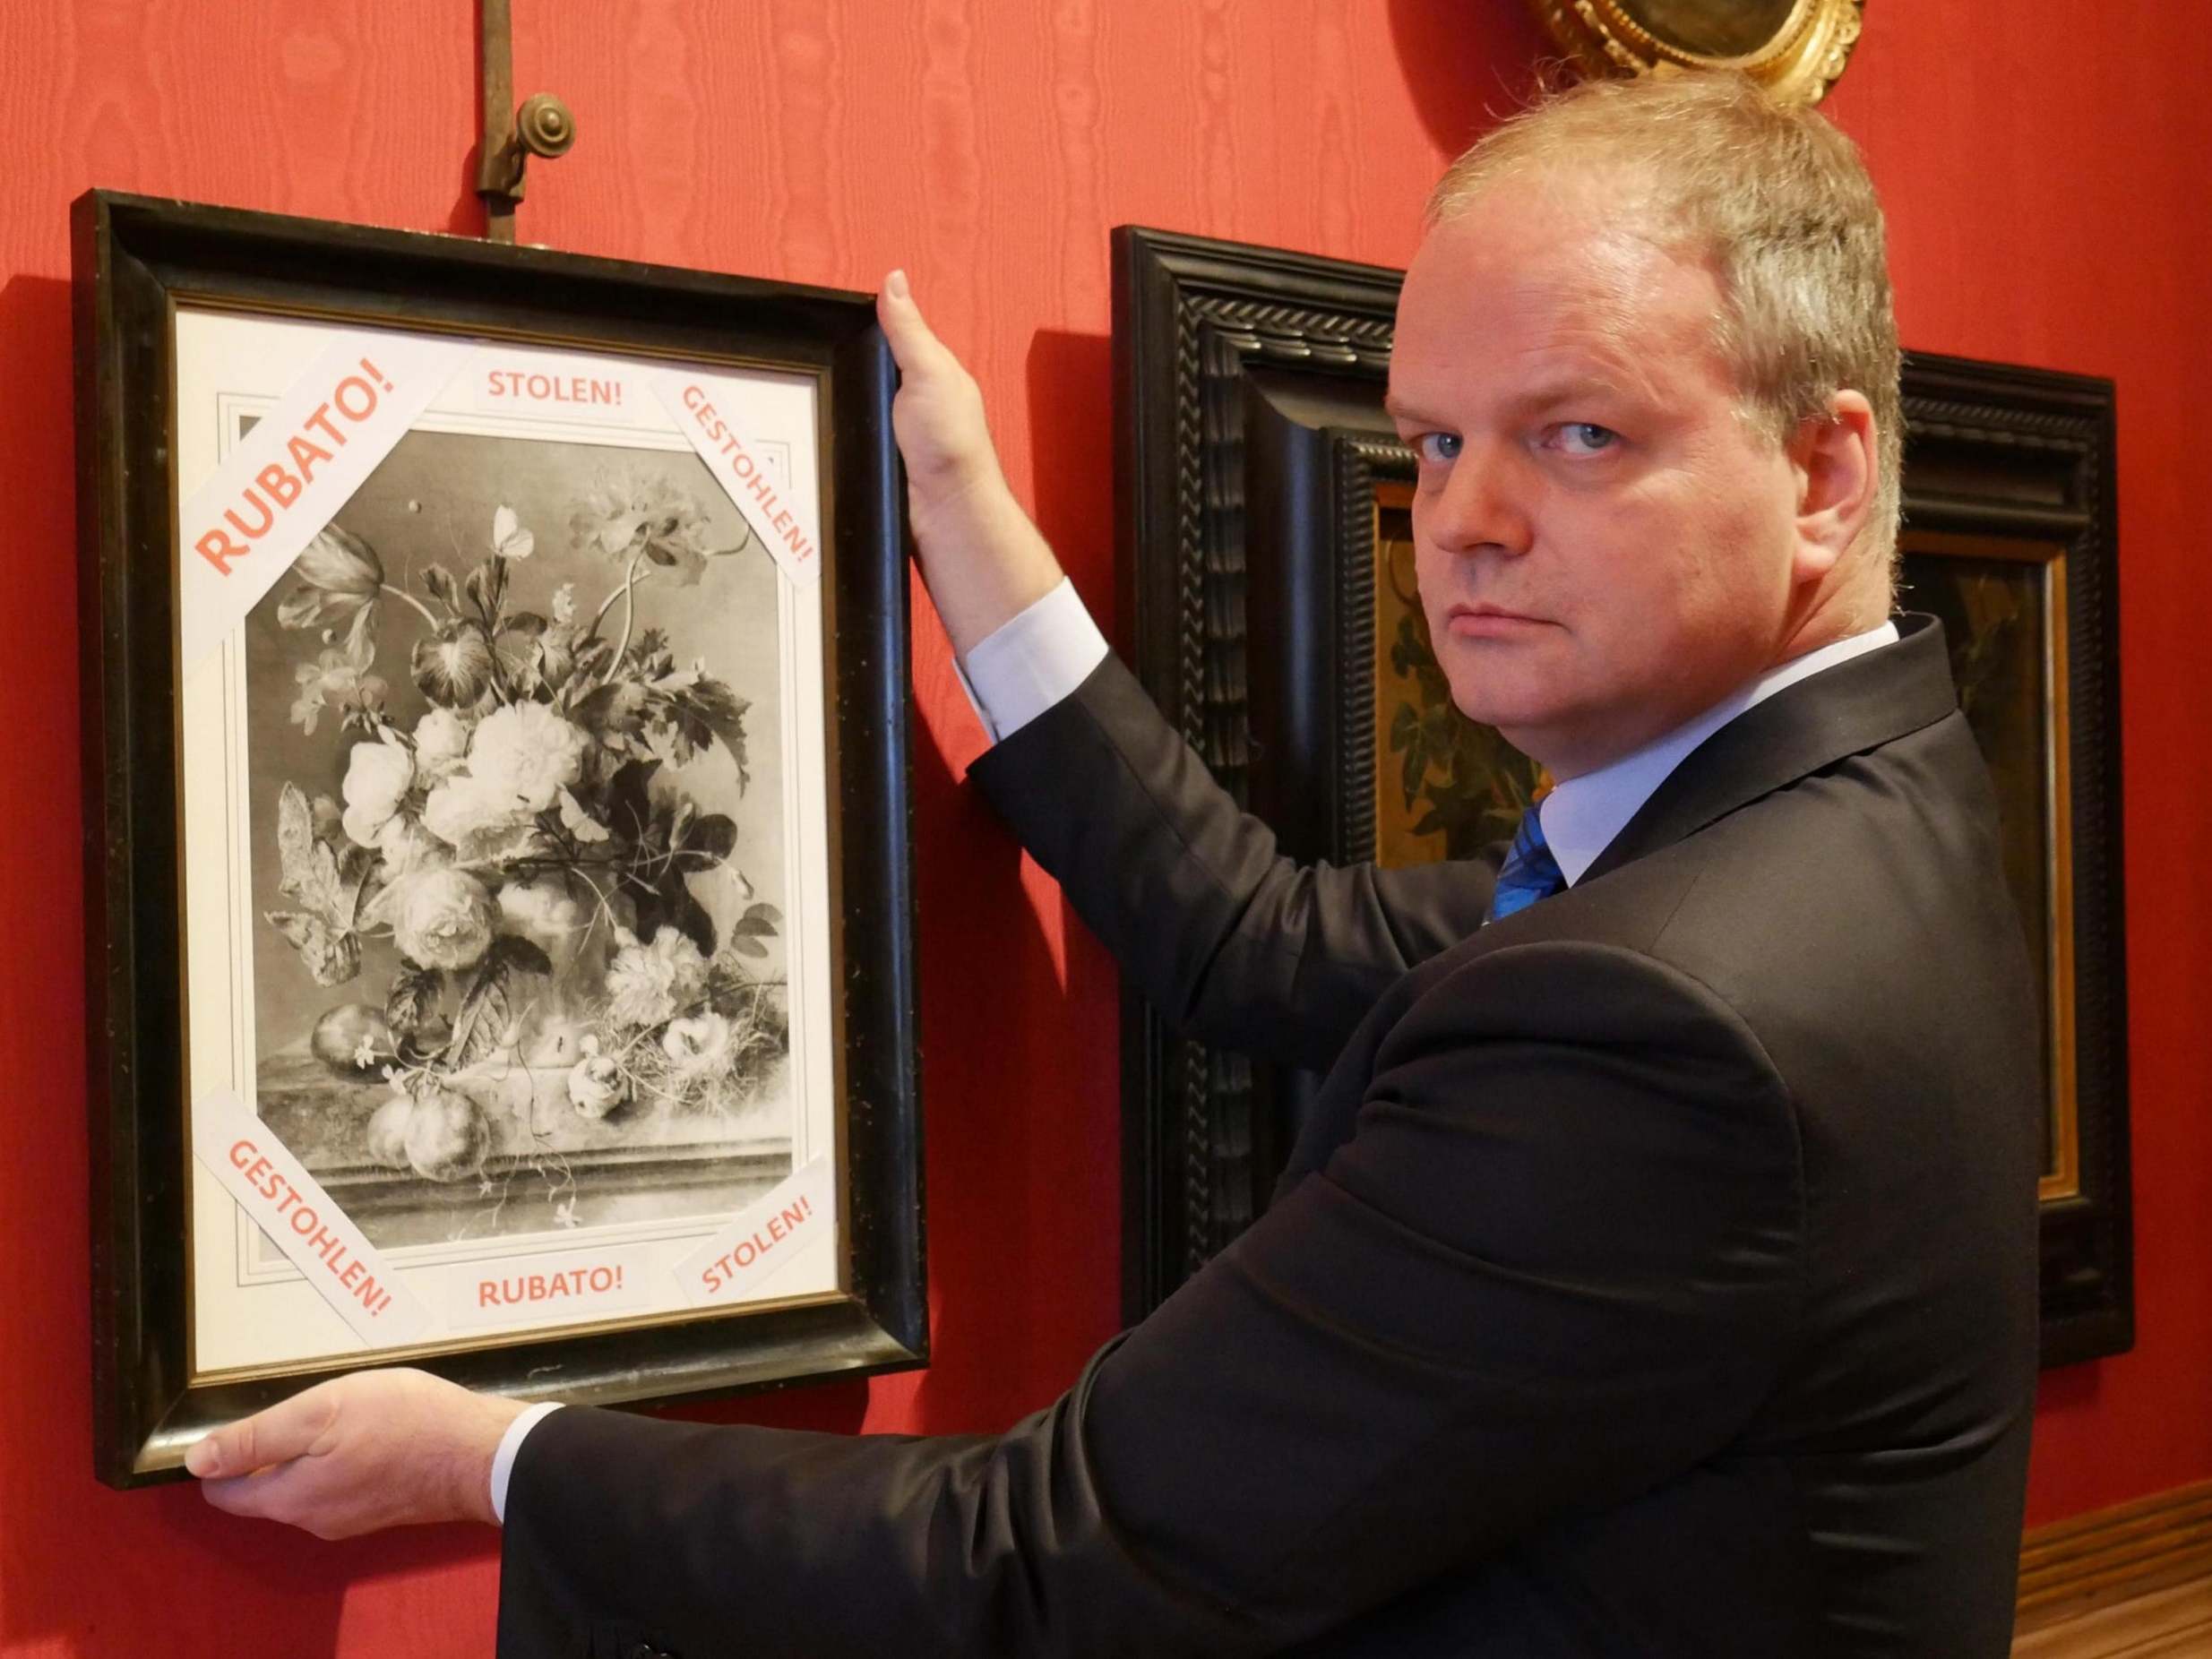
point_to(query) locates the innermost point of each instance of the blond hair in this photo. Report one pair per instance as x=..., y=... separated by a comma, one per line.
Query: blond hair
x=1776, y=199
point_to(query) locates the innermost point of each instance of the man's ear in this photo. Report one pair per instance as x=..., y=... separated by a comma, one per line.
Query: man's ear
x=1836, y=463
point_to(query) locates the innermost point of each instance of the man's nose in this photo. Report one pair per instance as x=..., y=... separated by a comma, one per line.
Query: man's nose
x=1483, y=503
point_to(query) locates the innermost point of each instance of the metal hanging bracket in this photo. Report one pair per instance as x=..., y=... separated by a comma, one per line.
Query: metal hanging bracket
x=542, y=126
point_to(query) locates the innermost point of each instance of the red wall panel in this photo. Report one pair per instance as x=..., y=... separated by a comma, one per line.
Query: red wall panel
x=2039, y=183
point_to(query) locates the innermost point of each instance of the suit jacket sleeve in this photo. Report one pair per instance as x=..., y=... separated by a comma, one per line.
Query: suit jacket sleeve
x=1234, y=944
x=1555, y=1266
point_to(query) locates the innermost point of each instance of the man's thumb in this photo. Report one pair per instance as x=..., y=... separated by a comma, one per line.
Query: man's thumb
x=911, y=342
x=278, y=1435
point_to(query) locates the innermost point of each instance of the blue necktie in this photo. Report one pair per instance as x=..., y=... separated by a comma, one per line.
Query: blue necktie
x=1529, y=872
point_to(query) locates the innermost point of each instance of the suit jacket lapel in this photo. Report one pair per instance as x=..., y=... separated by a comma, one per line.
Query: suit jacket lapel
x=1844, y=710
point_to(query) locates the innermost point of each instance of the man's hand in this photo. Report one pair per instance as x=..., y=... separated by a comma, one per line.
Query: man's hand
x=982, y=559
x=378, y=1448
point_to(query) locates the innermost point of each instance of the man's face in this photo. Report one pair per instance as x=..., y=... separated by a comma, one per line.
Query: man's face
x=1604, y=544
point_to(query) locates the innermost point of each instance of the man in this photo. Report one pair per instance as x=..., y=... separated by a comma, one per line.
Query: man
x=1657, y=1274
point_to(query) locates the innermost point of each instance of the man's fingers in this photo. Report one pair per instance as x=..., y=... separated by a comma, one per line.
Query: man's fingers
x=298, y=1494
x=284, y=1432
x=262, y=1495
x=380, y=1448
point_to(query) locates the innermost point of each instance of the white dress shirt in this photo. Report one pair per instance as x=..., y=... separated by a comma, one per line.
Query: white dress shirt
x=1581, y=816
x=1026, y=665
x=1030, y=663
x=510, y=1443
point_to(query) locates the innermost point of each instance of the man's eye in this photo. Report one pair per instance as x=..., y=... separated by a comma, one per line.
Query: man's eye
x=1584, y=437
x=1437, y=447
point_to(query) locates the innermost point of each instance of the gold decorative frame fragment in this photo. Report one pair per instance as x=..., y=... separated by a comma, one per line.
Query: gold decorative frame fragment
x=1795, y=48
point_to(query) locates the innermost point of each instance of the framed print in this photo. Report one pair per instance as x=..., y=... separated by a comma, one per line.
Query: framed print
x=494, y=667
x=1267, y=569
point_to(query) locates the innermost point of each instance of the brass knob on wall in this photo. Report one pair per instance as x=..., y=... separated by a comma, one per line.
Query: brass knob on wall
x=543, y=125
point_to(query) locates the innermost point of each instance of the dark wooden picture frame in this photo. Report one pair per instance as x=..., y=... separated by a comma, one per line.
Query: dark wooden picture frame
x=1250, y=443
x=135, y=260
x=2019, y=464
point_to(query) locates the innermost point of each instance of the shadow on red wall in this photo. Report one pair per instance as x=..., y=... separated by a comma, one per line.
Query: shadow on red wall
x=1467, y=65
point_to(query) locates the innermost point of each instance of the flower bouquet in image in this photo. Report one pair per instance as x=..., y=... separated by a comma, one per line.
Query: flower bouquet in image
x=527, y=844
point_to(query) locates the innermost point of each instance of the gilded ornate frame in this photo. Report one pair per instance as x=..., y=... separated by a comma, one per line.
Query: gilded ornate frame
x=1798, y=60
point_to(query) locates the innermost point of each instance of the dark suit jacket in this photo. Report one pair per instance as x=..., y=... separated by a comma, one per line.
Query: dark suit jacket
x=1656, y=1276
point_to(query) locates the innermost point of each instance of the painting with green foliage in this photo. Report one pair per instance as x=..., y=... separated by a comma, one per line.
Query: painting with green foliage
x=1445, y=787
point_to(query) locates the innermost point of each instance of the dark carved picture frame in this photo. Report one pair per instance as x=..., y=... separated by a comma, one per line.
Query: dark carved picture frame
x=1249, y=437
x=134, y=258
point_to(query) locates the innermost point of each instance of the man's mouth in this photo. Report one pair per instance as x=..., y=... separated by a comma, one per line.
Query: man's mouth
x=1489, y=622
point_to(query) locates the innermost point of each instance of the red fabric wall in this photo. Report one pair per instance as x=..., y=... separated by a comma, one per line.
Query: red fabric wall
x=2037, y=169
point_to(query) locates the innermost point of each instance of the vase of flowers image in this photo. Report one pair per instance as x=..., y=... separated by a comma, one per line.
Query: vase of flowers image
x=529, y=845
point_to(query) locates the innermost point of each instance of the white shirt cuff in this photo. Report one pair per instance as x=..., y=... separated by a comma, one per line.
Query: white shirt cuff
x=510, y=1443
x=1026, y=665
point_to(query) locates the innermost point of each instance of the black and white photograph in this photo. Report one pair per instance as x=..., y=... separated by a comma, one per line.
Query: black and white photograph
x=513, y=840
x=518, y=844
